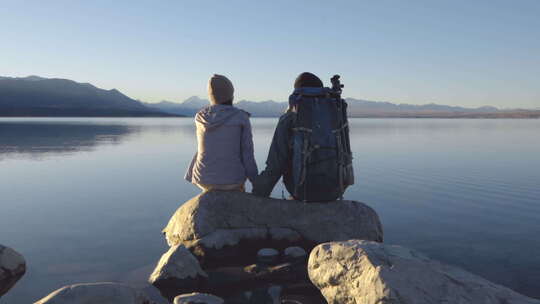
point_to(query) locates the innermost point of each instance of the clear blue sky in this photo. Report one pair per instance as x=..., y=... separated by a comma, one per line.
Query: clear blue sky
x=457, y=52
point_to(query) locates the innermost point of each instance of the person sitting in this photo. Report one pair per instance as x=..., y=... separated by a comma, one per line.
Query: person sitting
x=224, y=158
x=310, y=148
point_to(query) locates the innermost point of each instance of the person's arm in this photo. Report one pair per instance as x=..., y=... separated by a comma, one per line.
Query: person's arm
x=189, y=172
x=248, y=158
x=277, y=160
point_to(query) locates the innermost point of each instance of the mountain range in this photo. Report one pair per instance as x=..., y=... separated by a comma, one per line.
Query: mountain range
x=193, y=104
x=38, y=96
x=356, y=108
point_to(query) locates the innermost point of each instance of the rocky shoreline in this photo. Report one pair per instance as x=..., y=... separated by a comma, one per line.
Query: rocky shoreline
x=236, y=248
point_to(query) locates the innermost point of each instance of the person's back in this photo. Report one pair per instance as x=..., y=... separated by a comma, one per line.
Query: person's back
x=310, y=147
x=224, y=157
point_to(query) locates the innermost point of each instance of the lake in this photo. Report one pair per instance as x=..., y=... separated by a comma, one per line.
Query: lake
x=85, y=199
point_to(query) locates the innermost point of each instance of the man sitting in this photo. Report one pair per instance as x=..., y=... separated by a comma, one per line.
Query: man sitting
x=310, y=147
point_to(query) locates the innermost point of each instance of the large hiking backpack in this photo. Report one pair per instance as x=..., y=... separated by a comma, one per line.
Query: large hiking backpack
x=321, y=153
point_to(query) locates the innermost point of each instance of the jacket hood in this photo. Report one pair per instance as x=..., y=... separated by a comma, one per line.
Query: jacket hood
x=215, y=115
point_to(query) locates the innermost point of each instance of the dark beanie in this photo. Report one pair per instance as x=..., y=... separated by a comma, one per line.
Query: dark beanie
x=307, y=79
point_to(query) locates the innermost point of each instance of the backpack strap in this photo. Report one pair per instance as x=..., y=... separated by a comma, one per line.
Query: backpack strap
x=305, y=152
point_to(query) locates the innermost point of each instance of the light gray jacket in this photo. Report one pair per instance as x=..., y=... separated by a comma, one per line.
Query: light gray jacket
x=224, y=147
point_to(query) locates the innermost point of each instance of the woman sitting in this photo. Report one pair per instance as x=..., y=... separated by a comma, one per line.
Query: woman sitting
x=224, y=157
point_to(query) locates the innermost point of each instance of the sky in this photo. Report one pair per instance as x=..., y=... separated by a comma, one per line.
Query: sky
x=455, y=52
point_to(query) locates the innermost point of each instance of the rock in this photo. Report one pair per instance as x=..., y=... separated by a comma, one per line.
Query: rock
x=295, y=252
x=303, y=292
x=227, y=281
x=12, y=268
x=267, y=255
x=366, y=272
x=198, y=298
x=302, y=299
x=229, y=227
x=236, y=240
x=177, y=272
x=275, y=293
x=94, y=293
x=265, y=295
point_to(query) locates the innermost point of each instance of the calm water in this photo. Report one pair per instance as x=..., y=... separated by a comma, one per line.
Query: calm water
x=85, y=199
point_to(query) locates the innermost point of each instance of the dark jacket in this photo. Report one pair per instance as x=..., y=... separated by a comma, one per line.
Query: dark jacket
x=278, y=163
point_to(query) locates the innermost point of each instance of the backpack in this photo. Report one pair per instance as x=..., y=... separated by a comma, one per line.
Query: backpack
x=321, y=155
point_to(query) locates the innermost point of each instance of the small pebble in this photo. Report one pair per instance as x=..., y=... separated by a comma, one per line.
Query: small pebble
x=294, y=252
x=267, y=255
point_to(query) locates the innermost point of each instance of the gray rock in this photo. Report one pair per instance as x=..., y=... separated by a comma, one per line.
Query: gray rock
x=363, y=272
x=177, y=272
x=223, y=225
x=96, y=293
x=12, y=268
x=227, y=281
x=198, y=298
x=270, y=294
x=267, y=255
x=274, y=292
x=294, y=252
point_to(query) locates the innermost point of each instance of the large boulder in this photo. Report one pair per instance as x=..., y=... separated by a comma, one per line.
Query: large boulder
x=177, y=272
x=102, y=293
x=12, y=268
x=226, y=227
x=363, y=272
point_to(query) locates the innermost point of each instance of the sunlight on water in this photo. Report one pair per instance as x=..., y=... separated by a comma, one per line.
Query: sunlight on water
x=85, y=199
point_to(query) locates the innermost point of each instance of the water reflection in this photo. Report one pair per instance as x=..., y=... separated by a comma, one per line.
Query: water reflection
x=38, y=140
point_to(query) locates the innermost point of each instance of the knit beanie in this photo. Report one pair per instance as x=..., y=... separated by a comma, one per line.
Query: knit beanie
x=307, y=79
x=220, y=89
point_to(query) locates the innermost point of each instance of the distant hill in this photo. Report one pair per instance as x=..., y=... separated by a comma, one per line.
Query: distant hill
x=366, y=108
x=193, y=104
x=189, y=107
x=357, y=108
x=37, y=96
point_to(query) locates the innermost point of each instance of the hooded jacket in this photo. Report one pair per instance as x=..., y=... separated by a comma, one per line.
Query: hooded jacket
x=224, y=147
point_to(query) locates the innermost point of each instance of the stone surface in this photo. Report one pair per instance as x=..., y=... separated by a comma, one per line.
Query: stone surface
x=267, y=255
x=94, y=293
x=275, y=293
x=198, y=298
x=363, y=272
x=294, y=252
x=219, y=226
x=304, y=292
x=177, y=272
x=270, y=294
x=12, y=268
x=226, y=281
